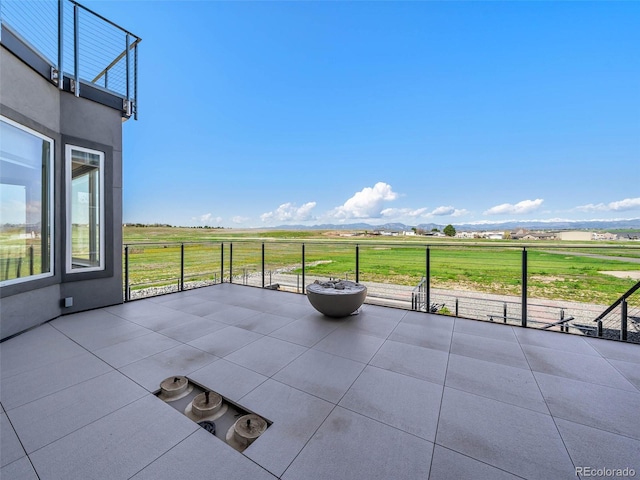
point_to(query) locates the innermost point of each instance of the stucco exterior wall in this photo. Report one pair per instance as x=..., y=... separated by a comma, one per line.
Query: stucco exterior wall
x=22, y=311
x=24, y=91
x=31, y=100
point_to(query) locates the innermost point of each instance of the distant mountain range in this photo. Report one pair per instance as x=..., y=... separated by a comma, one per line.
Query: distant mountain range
x=501, y=226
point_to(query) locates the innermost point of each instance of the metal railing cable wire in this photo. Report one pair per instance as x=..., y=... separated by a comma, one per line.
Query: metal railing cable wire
x=619, y=316
x=152, y=269
x=79, y=44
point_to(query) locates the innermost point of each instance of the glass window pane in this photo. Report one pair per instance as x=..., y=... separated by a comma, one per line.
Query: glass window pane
x=85, y=200
x=25, y=203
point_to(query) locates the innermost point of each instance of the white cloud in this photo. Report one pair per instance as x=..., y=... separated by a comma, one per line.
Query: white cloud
x=626, y=204
x=408, y=213
x=288, y=212
x=239, y=219
x=403, y=212
x=459, y=212
x=448, y=211
x=207, y=219
x=367, y=203
x=543, y=220
x=443, y=211
x=621, y=205
x=525, y=206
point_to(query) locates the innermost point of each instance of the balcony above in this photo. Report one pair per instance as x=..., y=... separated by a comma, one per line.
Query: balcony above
x=76, y=49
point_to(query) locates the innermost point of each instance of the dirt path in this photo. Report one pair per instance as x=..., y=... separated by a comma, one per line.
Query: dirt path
x=593, y=255
x=633, y=274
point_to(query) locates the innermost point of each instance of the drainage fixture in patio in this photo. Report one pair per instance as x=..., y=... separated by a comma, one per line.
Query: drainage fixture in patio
x=233, y=424
x=206, y=407
x=245, y=431
x=174, y=388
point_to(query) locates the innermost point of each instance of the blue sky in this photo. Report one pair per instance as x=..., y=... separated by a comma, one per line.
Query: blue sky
x=255, y=114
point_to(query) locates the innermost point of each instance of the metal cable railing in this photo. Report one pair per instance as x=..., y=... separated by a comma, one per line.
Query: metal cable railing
x=79, y=44
x=36, y=22
x=476, y=306
x=152, y=269
x=621, y=320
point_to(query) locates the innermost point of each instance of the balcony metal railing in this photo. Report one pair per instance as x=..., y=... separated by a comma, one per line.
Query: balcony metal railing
x=622, y=319
x=458, y=280
x=82, y=46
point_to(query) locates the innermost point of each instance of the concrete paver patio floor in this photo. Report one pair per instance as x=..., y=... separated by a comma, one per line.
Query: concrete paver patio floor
x=386, y=394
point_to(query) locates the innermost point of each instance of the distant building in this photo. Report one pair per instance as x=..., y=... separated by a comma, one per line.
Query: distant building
x=523, y=234
x=539, y=236
x=493, y=235
x=519, y=234
x=605, y=236
x=575, y=236
x=467, y=235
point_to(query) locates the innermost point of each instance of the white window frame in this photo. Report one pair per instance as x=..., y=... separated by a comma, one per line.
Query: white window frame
x=51, y=206
x=68, y=158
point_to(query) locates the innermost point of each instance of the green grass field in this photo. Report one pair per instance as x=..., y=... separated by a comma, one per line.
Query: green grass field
x=554, y=272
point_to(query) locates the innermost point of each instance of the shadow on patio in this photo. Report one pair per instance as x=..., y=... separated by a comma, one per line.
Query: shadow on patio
x=386, y=394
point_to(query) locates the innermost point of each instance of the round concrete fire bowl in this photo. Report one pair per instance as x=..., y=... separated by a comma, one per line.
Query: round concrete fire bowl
x=336, y=298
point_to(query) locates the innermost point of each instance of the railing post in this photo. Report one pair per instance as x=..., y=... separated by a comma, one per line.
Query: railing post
x=30, y=259
x=127, y=292
x=303, y=281
x=357, y=263
x=427, y=280
x=60, y=44
x=562, y=325
x=181, y=267
x=456, y=307
x=413, y=301
x=524, y=287
x=600, y=328
x=262, y=264
x=623, y=320
x=135, y=81
x=127, y=69
x=76, y=50
x=221, y=262
x=230, y=262
x=504, y=312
